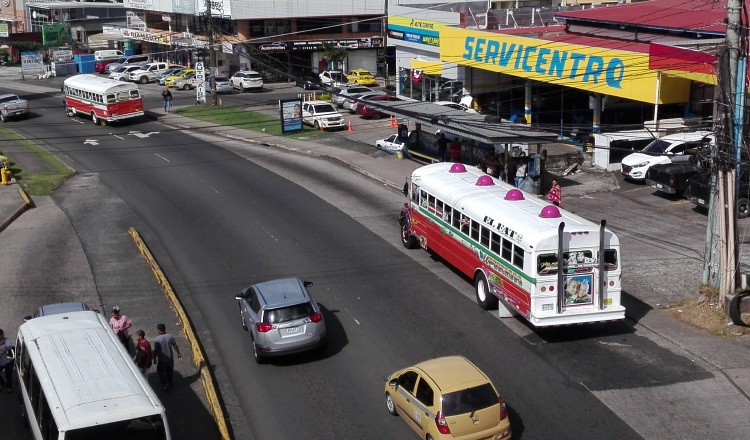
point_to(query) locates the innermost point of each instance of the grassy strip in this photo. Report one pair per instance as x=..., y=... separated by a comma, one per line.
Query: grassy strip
x=238, y=118
x=37, y=184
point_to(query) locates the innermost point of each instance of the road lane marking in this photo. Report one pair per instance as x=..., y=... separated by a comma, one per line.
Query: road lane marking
x=91, y=142
x=161, y=157
x=350, y=314
x=637, y=189
x=118, y=137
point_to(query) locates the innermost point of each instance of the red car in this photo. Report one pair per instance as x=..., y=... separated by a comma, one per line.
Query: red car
x=367, y=112
x=101, y=65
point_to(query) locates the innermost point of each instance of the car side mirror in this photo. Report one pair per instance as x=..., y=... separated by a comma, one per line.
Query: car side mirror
x=393, y=383
x=27, y=318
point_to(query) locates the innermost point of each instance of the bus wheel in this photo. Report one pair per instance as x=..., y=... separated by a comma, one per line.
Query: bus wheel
x=485, y=299
x=94, y=118
x=407, y=239
x=70, y=112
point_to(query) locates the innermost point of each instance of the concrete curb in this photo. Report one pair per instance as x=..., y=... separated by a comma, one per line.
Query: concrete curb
x=28, y=203
x=199, y=358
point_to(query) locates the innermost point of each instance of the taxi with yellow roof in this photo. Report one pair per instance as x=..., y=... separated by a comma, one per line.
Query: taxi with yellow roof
x=169, y=82
x=362, y=77
x=448, y=398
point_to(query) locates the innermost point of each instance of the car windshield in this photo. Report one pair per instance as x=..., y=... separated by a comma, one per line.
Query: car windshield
x=290, y=313
x=468, y=400
x=657, y=147
x=121, y=69
x=324, y=108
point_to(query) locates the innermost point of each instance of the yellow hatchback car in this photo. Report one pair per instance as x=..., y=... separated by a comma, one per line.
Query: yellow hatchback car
x=362, y=77
x=169, y=82
x=448, y=398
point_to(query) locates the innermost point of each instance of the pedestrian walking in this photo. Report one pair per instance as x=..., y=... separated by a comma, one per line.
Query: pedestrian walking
x=164, y=343
x=120, y=325
x=143, y=352
x=167, y=96
x=555, y=194
x=6, y=364
x=520, y=172
x=442, y=147
x=455, y=150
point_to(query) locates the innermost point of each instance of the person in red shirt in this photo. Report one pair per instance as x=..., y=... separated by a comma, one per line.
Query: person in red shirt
x=455, y=150
x=143, y=353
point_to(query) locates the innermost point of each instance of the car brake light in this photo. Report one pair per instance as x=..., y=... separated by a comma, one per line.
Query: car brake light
x=671, y=180
x=503, y=408
x=316, y=317
x=441, y=424
x=263, y=328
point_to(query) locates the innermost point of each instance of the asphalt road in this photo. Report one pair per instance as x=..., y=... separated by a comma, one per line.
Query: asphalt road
x=219, y=222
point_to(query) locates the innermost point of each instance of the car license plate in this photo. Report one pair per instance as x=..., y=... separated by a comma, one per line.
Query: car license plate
x=659, y=185
x=292, y=329
x=625, y=173
x=607, y=301
x=701, y=201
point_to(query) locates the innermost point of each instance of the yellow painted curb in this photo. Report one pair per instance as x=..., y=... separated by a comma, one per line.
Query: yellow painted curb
x=187, y=327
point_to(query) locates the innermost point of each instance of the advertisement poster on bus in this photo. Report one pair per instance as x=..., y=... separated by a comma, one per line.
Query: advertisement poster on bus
x=578, y=290
x=291, y=115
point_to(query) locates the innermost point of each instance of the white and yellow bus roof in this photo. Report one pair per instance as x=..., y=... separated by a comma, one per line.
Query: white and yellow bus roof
x=97, y=84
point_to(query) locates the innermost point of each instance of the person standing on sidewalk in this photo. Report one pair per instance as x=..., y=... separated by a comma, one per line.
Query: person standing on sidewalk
x=520, y=172
x=163, y=356
x=6, y=364
x=442, y=147
x=167, y=96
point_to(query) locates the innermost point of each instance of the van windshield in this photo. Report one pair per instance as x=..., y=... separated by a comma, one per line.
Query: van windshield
x=144, y=428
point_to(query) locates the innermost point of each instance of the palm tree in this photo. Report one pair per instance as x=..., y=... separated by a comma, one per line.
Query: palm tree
x=334, y=53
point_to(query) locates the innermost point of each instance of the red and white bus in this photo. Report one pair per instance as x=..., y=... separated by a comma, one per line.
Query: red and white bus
x=512, y=244
x=105, y=100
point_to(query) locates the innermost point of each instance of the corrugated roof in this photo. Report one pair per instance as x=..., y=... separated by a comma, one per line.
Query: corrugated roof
x=552, y=33
x=693, y=15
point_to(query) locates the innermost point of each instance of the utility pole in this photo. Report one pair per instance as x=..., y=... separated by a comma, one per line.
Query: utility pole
x=729, y=133
x=211, y=51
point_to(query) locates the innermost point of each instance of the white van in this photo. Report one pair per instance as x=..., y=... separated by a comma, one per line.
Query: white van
x=107, y=54
x=77, y=381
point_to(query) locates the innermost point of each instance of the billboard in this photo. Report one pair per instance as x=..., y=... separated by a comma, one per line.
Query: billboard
x=57, y=34
x=291, y=115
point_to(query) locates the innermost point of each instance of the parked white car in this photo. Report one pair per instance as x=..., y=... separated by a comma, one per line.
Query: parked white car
x=122, y=73
x=456, y=106
x=391, y=144
x=247, y=80
x=333, y=78
x=635, y=166
x=148, y=72
x=321, y=114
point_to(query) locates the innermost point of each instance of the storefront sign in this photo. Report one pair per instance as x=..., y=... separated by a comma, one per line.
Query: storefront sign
x=415, y=30
x=32, y=61
x=146, y=5
x=61, y=54
x=146, y=36
x=56, y=34
x=200, y=87
x=361, y=43
x=596, y=69
x=219, y=8
x=134, y=22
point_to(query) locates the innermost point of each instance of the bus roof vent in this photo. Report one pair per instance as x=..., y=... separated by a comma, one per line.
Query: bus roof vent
x=514, y=194
x=458, y=168
x=550, y=211
x=485, y=181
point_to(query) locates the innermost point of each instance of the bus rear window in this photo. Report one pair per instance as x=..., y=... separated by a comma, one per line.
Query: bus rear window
x=575, y=262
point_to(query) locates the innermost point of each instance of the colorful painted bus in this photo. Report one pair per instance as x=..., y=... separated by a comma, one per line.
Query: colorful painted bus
x=512, y=243
x=105, y=100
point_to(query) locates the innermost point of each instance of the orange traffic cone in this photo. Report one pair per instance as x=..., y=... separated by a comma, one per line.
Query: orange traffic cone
x=349, y=128
x=321, y=127
x=391, y=122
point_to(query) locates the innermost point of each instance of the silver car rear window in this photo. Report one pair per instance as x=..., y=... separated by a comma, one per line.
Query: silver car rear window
x=286, y=314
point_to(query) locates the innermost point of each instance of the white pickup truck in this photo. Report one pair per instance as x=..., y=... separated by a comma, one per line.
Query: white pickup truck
x=332, y=78
x=12, y=106
x=148, y=72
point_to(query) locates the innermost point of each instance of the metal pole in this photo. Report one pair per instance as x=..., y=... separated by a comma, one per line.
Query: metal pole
x=211, y=53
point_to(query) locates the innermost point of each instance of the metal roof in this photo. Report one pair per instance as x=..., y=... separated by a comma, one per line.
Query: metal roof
x=468, y=125
x=689, y=15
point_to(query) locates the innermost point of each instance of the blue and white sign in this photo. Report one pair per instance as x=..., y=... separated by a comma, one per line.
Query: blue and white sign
x=200, y=87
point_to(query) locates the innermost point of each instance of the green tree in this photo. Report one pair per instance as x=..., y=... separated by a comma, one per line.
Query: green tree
x=335, y=54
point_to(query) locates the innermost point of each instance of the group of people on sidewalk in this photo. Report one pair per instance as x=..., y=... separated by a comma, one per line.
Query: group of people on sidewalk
x=162, y=354
x=494, y=165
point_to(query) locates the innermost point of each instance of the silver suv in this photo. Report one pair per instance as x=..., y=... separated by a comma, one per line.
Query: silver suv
x=282, y=318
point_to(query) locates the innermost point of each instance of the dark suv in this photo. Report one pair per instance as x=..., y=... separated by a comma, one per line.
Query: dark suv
x=282, y=318
x=699, y=192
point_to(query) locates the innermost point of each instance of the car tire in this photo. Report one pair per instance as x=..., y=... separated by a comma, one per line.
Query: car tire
x=742, y=208
x=3, y=118
x=317, y=125
x=376, y=115
x=407, y=238
x=242, y=88
x=259, y=359
x=144, y=80
x=390, y=405
x=485, y=299
x=186, y=87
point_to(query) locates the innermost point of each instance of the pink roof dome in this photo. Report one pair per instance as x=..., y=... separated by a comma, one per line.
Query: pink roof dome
x=485, y=181
x=514, y=195
x=458, y=168
x=550, y=211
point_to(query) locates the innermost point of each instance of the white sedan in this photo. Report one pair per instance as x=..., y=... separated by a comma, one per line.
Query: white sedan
x=391, y=144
